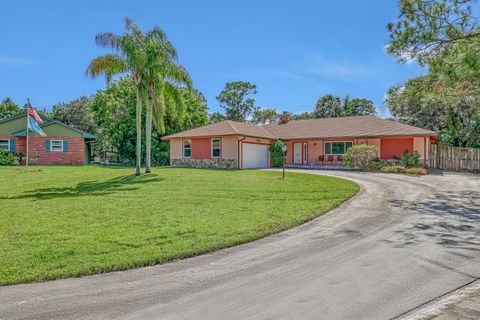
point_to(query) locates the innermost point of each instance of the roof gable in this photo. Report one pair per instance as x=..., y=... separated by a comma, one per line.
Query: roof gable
x=17, y=125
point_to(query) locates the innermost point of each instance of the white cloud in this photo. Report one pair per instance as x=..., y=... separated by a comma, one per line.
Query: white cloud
x=341, y=69
x=9, y=61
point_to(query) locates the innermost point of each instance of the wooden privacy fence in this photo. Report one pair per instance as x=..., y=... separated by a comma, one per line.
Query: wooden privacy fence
x=454, y=158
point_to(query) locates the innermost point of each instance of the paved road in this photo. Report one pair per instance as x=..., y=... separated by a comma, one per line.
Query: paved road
x=400, y=243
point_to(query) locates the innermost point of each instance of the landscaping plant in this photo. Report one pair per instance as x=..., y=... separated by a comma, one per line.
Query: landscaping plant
x=360, y=156
x=277, y=154
x=10, y=158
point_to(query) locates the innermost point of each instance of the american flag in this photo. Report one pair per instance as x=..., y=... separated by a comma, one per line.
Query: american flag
x=32, y=113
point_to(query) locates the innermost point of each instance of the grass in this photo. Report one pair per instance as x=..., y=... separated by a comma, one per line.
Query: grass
x=61, y=222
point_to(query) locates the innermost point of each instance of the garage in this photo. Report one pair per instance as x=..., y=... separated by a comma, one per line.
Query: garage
x=255, y=156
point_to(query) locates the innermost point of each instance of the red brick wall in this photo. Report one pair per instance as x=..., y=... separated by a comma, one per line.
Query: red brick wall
x=74, y=155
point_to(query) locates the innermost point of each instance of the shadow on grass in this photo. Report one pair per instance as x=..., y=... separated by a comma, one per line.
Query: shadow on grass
x=90, y=188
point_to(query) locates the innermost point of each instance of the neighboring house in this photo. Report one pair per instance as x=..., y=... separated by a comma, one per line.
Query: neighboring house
x=62, y=145
x=230, y=144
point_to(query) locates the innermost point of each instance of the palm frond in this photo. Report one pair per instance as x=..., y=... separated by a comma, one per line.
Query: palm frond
x=108, y=65
x=108, y=40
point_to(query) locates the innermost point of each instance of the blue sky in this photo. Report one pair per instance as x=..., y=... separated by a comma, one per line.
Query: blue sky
x=294, y=51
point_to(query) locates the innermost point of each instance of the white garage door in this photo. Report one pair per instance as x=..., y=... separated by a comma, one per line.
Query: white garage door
x=255, y=156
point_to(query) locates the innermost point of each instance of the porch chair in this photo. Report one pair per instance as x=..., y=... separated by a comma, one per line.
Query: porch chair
x=321, y=159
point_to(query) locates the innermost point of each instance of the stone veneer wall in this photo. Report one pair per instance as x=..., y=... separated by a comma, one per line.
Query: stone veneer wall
x=204, y=163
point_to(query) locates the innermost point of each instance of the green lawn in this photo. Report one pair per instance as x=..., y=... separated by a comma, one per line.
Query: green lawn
x=69, y=221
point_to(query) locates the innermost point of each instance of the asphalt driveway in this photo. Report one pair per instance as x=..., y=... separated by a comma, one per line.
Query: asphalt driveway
x=400, y=243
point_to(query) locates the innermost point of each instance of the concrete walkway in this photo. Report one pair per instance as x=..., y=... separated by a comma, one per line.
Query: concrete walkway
x=402, y=242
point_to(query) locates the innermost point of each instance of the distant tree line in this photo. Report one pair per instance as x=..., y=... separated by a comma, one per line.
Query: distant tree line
x=239, y=105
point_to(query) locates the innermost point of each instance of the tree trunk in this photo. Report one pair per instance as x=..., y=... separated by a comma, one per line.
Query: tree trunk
x=138, y=125
x=148, y=128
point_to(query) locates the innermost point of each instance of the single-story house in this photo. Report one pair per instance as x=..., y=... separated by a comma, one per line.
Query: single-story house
x=62, y=145
x=230, y=144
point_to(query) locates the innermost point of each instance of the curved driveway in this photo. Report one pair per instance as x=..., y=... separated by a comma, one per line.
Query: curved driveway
x=400, y=243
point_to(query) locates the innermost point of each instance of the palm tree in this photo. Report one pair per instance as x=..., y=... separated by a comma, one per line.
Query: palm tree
x=162, y=79
x=129, y=57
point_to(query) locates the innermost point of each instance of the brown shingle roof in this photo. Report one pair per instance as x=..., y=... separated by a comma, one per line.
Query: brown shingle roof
x=224, y=128
x=342, y=127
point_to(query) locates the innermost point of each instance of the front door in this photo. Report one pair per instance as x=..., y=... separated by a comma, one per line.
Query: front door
x=297, y=153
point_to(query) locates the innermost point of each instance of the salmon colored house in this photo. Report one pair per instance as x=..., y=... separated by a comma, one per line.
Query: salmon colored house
x=63, y=145
x=230, y=144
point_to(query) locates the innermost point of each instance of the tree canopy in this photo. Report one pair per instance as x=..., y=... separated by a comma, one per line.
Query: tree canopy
x=75, y=113
x=114, y=111
x=443, y=35
x=330, y=106
x=8, y=108
x=235, y=99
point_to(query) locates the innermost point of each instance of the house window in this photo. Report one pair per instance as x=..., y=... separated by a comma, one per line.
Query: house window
x=337, y=147
x=187, y=148
x=216, y=148
x=5, y=145
x=56, y=145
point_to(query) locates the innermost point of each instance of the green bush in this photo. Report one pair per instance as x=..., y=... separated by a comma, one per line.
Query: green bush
x=277, y=154
x=9, y=158
x=411, y=161
x=378, y=164
x=360, y=156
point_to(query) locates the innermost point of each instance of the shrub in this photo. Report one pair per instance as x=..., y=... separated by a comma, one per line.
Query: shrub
x=377, y=164
x=402, y=169
x=9, y=158
x=277, y=154
x=411, y=161
x=360, y=156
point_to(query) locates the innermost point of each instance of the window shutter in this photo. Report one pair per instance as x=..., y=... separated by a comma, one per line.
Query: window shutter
x=47, y=145
x=65, y=145
x=12, y=145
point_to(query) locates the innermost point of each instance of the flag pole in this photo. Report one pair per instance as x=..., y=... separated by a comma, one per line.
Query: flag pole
x=28, y=126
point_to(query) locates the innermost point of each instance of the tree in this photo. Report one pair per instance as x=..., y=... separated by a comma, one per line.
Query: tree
x=444, y=36
x=162, y=77
x=75, y=113
x=233, y=99
x=195, y=110
x=359, y=107
x=114, y=113
x=8, y=108
x=216, y=117
x=262, y=116
x=423, y=102
x=330, y=106
x=128, y=57
x=303, y=116
x=427, y=28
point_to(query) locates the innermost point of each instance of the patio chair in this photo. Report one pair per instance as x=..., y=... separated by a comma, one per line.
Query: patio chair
x=330, y=159
x=321, y=159
x=339, y=160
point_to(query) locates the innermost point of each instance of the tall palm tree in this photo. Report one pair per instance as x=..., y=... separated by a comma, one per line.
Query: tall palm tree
x=129, y=57
x=162, y=79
